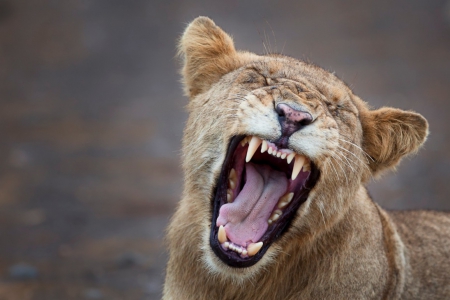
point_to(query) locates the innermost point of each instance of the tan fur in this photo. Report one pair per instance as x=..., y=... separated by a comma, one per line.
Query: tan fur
x=340, y=245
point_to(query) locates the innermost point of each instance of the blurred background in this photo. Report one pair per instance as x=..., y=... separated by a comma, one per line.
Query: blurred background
x=92, y=113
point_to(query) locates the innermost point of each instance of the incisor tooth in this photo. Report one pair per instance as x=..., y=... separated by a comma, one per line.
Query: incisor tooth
x=264, y=146
x=244, y=252
x=252, y=146
x=298, y=164
x=269, y=150
x=222, y=235
x=283, y=156
x=253, y=248
x=278, y=154
x=290, y=157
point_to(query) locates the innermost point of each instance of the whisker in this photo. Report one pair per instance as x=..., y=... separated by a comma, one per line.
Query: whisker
x=334, y=169
x=320, y=205
x=346, y=141
x=363, y=162
x=346, y=163
x=343, y=171
x=273, y=33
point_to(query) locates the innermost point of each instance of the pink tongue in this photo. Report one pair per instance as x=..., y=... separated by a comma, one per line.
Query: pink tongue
x=245, y=219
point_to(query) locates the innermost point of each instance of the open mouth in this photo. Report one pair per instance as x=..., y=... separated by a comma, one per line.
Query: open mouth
x=257, y=194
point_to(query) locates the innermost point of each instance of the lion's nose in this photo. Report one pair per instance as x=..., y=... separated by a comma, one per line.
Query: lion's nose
x=292, y=120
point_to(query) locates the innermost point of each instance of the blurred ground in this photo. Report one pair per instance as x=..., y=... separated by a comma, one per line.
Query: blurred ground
x=91, y=117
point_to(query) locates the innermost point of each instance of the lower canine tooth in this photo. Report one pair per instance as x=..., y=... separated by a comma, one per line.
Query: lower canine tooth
x=254, y=248
x=298, y=164
x=222, y=235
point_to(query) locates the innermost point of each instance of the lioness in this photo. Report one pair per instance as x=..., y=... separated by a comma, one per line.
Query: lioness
x=276, y=153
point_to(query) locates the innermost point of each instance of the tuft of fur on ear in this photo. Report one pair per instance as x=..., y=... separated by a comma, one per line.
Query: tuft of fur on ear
x=208, y=53
x=390, y=134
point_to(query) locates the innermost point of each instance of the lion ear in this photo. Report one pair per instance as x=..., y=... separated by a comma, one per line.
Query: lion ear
x=390, y=134
x=208, y=53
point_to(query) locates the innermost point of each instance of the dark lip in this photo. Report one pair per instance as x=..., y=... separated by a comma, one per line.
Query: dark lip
x=231, y=258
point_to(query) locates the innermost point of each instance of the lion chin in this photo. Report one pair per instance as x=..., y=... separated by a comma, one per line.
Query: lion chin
x=276, y=155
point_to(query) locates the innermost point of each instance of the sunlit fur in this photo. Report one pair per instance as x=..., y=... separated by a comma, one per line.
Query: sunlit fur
x=340, y=244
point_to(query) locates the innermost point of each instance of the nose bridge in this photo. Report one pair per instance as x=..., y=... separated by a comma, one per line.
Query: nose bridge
x=284, y=94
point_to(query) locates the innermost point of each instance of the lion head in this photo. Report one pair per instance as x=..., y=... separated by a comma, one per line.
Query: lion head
x=274, y=153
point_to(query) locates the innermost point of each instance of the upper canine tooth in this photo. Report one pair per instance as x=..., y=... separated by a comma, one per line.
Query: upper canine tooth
x=298, y=164
x=222, y=235
x=264, y=146
x=290, y=157
x=254, y=144
x=253, y=248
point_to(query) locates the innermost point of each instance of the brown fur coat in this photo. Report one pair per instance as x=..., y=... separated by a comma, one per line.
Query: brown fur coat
x=337, y=243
